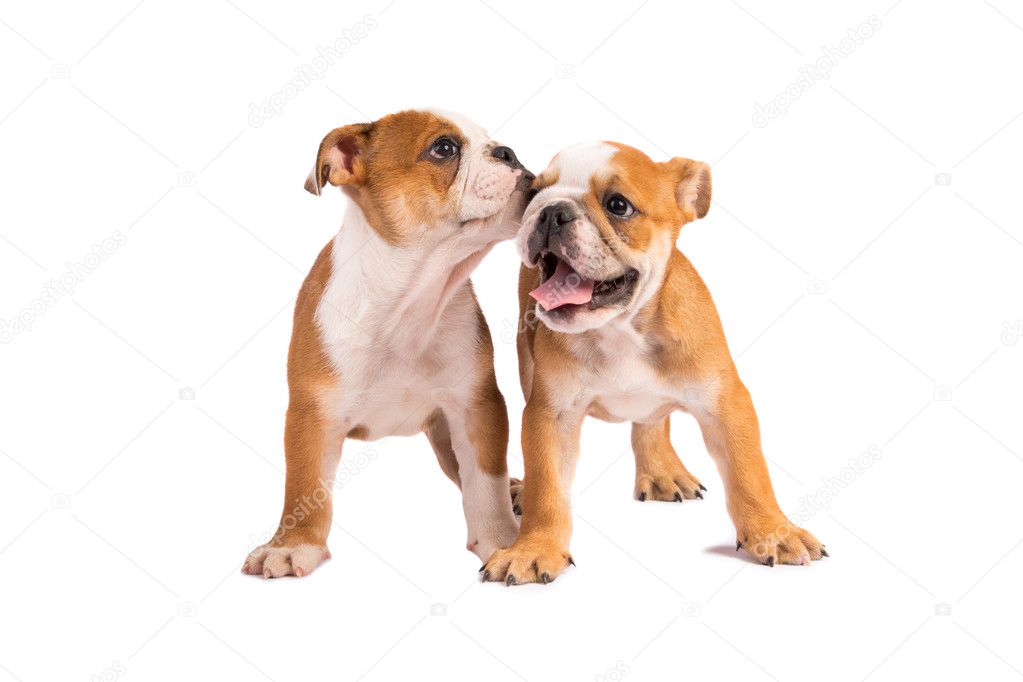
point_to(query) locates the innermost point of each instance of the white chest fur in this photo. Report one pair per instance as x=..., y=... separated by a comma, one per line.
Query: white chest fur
x=400, y=351
x=623, y=383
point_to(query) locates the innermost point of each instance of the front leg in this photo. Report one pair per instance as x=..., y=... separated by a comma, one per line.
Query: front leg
x=312, y=450
x=732, y=435
x=478, y=435
x=550, y=447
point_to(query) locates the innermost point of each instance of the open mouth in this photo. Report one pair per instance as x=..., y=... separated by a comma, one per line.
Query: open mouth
x=563, y=289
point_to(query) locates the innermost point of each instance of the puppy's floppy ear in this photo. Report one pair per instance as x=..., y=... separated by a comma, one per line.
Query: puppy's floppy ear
x=341, y=158
x=693, y=188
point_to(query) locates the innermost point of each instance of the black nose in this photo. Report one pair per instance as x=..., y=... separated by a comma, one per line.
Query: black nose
x=506, y=155
x=549, y=225
x=553, y=218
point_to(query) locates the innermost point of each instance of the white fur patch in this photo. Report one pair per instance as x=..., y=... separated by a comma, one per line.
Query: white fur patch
x=387, y=333
x=578, y=163
x=277, y=562
x=617, y=374
x=486, y=502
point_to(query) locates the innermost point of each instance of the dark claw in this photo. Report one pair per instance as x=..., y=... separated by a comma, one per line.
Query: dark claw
x=770, y=561
x=738, y=545
x=485, y=576
x=699, y=495
x=518, y=510
x=510, y=580
x=642, y=497
x=703, y=487
x=482, y=567
x=824, y=551
x=678, y=497
x=545, y=577
x=571, y=561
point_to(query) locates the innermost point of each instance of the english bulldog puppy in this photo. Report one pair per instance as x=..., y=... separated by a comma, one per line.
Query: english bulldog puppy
x=388, y=337
x=617, y=325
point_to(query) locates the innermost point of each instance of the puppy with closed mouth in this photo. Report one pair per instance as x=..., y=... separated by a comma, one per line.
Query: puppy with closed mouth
x=619, y=326
x=388, y=337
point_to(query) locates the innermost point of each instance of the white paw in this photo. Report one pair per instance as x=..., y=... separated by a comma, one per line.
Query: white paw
x=276, y=562
x=494, y=539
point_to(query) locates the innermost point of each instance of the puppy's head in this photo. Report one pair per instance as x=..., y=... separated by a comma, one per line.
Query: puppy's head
x=601, y=228
x=422, y=176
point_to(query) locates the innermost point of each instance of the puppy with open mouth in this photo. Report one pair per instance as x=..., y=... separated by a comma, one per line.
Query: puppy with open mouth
x=618, y=325
x=388, y=337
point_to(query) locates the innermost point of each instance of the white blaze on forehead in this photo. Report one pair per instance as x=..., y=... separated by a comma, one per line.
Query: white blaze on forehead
x=577, y=164
x=474, y=133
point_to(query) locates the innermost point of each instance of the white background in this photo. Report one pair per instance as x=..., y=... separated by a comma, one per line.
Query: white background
x=868, y=302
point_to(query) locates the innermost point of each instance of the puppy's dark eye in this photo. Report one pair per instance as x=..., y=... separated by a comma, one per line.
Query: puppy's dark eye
x=618, y=205
x=444, y=148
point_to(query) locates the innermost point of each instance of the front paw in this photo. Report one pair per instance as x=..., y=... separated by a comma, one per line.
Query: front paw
x=527, y=561
x=275, y=562
x=675, y=487
x=778, y=541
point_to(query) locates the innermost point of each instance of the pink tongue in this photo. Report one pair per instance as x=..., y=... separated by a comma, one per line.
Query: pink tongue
x=563, y=287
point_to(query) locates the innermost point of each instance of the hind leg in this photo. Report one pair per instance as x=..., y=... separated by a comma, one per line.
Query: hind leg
x=660, y=474
x=476, y=438
x=439, y=435
x=516, y=495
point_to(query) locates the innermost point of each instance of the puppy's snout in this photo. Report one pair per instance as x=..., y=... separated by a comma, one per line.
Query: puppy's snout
x=507, y=156
x=548, y=229
x=554, y=217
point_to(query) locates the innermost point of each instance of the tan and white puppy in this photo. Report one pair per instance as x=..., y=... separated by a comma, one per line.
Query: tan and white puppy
x=619, y=326
x=388, y=338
